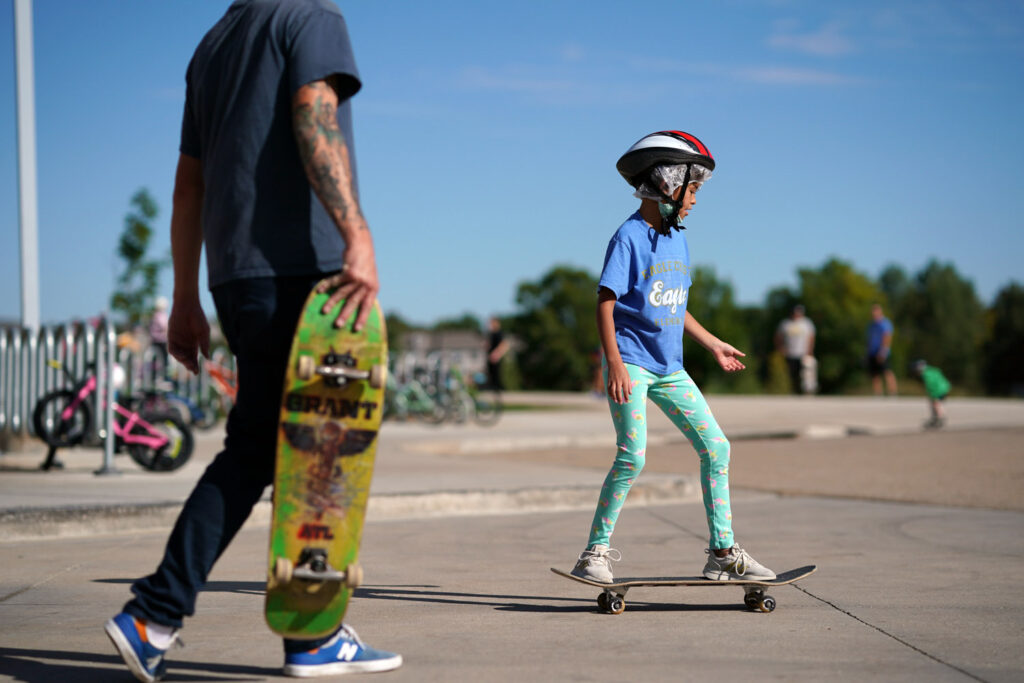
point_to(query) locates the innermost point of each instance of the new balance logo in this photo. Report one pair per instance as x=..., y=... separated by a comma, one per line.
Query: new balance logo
x=348, y=651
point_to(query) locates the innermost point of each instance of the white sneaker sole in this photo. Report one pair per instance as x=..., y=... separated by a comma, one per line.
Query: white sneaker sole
x=340, y=668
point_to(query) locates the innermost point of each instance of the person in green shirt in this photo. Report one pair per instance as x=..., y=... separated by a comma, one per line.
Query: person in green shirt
x=937, y=387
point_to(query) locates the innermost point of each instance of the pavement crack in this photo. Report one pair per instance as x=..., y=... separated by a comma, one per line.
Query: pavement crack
x=49, y=578
x=881, y=630
x=674, y=523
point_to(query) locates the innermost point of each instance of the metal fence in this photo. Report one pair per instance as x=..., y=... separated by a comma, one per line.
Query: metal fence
x=26, y=374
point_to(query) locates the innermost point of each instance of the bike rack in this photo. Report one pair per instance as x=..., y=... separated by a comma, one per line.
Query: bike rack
x=25, y=375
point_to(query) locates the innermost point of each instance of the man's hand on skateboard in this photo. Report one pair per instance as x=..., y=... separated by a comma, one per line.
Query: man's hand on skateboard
x=357, y=283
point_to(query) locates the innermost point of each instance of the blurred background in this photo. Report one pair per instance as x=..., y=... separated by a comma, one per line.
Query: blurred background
x=867, y=152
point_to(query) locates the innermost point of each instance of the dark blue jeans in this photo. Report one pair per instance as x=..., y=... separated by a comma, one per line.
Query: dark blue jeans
x=258, y=318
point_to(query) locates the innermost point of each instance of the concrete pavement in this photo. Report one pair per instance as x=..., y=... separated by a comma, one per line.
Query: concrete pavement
x=462, y=589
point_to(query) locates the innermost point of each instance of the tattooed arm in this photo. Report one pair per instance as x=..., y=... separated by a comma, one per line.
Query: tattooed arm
x=325, y=158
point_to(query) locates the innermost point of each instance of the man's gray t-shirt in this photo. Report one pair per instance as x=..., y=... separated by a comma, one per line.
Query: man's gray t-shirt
x=260, y=215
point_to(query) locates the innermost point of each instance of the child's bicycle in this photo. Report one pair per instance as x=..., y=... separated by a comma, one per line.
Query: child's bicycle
x=159, y=442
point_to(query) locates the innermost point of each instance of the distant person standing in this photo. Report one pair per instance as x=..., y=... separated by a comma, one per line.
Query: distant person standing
x=497, y=347
x=266, y=181
x=879, y=347
x=794, y=339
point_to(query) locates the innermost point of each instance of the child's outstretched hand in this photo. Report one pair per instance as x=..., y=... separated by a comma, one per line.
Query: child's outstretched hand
x=728, y=356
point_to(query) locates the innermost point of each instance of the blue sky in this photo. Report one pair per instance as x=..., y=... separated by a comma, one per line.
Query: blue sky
x=487, y=133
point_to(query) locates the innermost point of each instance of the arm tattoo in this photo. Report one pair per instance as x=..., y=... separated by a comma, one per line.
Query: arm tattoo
x=324, y=153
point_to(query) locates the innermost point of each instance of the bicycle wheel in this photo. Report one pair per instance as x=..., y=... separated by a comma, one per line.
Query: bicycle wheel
x=172, y=455
x=52, y=428
x=488, y=406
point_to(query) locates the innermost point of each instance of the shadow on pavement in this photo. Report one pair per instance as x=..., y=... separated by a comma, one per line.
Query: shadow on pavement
x=521, y=603
x=44, y=666
x=242, y=587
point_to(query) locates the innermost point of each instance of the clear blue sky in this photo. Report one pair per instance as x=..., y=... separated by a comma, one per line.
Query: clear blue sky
x=486, y=136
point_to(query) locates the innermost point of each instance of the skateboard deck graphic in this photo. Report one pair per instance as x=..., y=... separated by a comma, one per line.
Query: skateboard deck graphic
x=327, y=439
x=755, y=593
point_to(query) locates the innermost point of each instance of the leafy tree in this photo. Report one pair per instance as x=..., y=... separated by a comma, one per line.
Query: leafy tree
x=711, y=302
x=1004, y=360
x=557, y=326
x=467, y=321
x=774, y=373
x=943, y=322
x=838, y=300
x=398, y=327
x=138, y=282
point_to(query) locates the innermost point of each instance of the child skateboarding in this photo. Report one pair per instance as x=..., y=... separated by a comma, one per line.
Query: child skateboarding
x=641, y=318
x=937, y=387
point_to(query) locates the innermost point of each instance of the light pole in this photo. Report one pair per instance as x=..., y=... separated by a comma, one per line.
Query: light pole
x=28, y=206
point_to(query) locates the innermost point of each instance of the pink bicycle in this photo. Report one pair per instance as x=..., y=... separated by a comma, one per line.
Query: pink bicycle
x=159, y=442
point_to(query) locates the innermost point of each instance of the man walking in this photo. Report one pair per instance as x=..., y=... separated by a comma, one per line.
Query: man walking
x=266, y=178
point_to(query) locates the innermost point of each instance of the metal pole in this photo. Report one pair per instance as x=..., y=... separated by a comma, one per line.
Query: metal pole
x=28, y=208
x=107, y=342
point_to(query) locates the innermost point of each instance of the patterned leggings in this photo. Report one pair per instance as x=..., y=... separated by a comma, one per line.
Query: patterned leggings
x=678, y=397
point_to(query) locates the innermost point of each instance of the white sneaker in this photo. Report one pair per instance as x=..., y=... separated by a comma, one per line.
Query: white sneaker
x=593, y=563
x=736, y=566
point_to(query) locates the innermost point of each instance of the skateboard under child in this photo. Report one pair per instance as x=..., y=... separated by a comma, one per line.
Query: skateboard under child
x=327, y=439
x=612, y=598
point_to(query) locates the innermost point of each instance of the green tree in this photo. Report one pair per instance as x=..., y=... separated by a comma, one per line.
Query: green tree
x=467, y=321
x=711, y=302
x=557, y=328
x=838, y=301
x=778, y=304
x=1004, y=360
x=941, y=320
x=138, y=282
x=398, y=327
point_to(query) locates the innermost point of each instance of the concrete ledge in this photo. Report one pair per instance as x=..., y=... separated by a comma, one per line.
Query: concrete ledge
x=21, y=524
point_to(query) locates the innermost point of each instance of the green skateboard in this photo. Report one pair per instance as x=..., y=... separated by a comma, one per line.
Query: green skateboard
x=327, y=440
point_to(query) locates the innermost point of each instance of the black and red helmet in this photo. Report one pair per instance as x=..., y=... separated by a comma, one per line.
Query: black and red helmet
x=665, y=148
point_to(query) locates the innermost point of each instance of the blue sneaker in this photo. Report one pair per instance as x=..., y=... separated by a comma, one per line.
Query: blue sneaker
x=344, y=653
x=129, y=637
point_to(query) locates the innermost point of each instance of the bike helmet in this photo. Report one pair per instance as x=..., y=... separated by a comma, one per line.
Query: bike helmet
x=665, y=148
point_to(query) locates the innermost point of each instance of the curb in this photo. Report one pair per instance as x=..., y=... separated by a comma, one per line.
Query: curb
x=27, y=524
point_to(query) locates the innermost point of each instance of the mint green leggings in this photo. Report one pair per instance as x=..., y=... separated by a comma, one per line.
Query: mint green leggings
x=678, y=397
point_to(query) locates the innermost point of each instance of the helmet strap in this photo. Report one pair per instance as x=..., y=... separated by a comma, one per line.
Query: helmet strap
x=671, y=221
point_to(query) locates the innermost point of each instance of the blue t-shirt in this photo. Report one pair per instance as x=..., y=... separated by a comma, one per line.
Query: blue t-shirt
x=650, y=277
x=876, y=333
x=260, y=215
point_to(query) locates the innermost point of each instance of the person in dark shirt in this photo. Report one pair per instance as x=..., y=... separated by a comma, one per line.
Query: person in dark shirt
x=497, y=347
x=266, y=179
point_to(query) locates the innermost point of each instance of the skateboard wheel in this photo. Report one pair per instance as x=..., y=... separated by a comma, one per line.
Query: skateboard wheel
x=283, y=570
x=353, y=575
x=616, y=605
x=306, y=368
x=602, y=602
x=377, y=376
x=752, y=600
x=767, y=604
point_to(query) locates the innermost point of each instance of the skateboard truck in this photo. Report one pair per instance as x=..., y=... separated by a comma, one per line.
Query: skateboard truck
x=314, y=567
x=338, y=369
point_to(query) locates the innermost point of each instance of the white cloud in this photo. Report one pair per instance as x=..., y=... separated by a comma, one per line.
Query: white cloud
x=783, y=75
x=827, y=41
x=480, y=78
